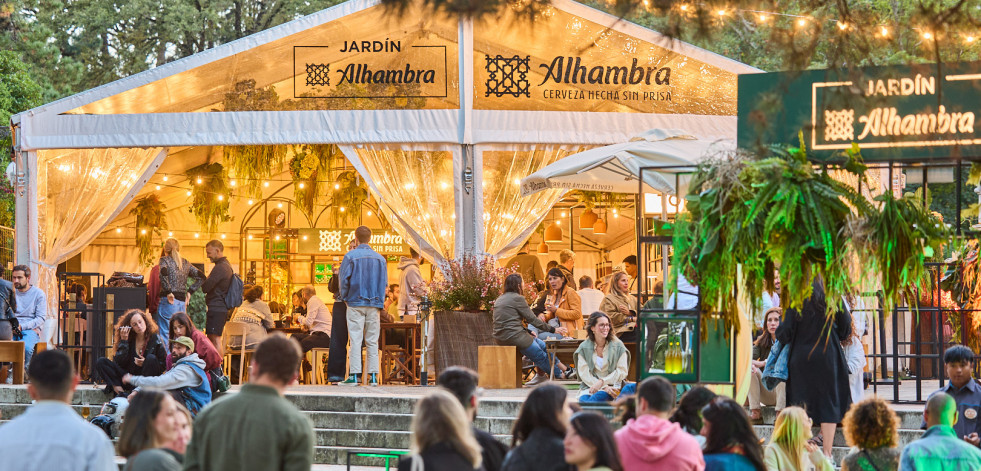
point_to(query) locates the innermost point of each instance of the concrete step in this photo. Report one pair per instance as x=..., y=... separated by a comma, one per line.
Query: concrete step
x=390, y=439
x=765, y=432
x=399, y=422
x=909, y=418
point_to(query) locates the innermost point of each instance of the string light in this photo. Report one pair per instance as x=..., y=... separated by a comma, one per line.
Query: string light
x=927, y=35
x=301, y=185
x=369, y=212
x=158, y=187
x=223, y=236
x=221, y=197
x=280, y=205
x=342, y=209
x=233, y=183
x=683, y=7
x=251, y=202
x=170, y=234
x=196, y=235
x=277, y=237
x=764, y=18
x=199, y=181
x=265, y=184
x=304, y=237
x=337, y=186
x=969, y=39
x=842, y=25
x=119, y=230
x=721, y=13
x=143, y=231
x=250, y=236
x=801, y=22
x=188, y=192
x=165, y=178
x=884, y=32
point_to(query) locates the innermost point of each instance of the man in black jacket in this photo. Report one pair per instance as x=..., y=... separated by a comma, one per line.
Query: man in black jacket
x=216, y=285
x=462, y=382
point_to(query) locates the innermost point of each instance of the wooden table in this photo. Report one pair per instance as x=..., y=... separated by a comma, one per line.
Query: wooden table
x=288, y=330
x=555, y=346
x=408, y=364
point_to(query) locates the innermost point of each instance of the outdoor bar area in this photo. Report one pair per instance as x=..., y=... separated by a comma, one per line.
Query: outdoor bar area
x=449, y=136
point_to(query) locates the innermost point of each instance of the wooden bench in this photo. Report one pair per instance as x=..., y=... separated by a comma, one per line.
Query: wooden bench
x=499, y=366
x=12, y=351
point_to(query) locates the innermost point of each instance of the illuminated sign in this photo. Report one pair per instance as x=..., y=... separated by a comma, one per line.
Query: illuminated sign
x=318, y=241
x=910, y=112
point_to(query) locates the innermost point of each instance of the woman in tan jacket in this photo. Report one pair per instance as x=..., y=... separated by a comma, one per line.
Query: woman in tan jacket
x=561, y=302
x=620, y=305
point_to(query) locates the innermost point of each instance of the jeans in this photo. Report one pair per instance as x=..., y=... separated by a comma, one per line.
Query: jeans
x=548, y=335
x=164, y=312
x=536, y=353
x=31, y=338
x=602, y=396
x=363, y=324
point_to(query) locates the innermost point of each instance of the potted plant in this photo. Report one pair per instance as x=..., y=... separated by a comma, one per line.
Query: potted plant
x=150, y=220
x=463, y=298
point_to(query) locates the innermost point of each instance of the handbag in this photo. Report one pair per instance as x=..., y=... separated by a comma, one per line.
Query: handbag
x=219, y=382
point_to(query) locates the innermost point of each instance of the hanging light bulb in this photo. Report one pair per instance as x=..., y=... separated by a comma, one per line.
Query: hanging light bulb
x=170, y=234
x=563, y=214
x=801, y=22
x=342, y=209
x=276, y=238
x=188, y=192
x=337, y=186
x=369, y=212
x=304, y=237
x=250, y=236
x=233, y=183
x=301, y=185
x=119, y=230
x=165, y=178
x=251, y=202
x=196, y=235
x=842, y=25
x=280, y=205
x=221, y=197
x=158, y=187
x=884, y=32
x=223, y=236
x=265, y=184
x=927, y=35
x=143, y=231
x=199, y=181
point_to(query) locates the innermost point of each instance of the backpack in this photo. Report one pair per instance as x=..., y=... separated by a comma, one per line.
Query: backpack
x=233, y=297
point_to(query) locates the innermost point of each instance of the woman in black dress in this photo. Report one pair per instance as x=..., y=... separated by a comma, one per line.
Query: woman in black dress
x=817, y=373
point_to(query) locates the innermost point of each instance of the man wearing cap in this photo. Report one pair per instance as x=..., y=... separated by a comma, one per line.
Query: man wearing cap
x=186, y=380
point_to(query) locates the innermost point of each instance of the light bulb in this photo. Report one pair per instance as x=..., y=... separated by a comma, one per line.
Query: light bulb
x=304, y=237
x=119, y=230
x=196, y=235
x=884, y=31
x=277, y=237
x=614, y=210
x=721, y=12
x=223, y=236
x=188, y=192
x=200, y=181
x=969, y=39
x=265, y=184
x=142, y=231
x=563, y=213
x=250, y=236
x=170, y=234
x=842, y=26
x=683, y=7
x=801, y=22
x=251, y=202
x=280, y=205
x=342, y=209
x=233, y=182
x=165, y=178
x=763, y=17
x=221, y=197
x=927, y=35
x=301, y=185
x=369, y=212
x=337, y=186
x=158, y=187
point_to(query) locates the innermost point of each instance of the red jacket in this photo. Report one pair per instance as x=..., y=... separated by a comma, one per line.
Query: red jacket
x=205, y=349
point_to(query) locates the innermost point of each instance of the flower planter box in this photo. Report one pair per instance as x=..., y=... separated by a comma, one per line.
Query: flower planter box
x=457, y=336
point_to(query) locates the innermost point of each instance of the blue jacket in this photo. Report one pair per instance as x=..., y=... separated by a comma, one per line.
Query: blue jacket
x=728, y=462
x=364, y=277
x=776, y=368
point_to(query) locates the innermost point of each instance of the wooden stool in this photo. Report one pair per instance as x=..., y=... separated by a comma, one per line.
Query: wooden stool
x=12, y=351
x=320, y=356
x=499, y=367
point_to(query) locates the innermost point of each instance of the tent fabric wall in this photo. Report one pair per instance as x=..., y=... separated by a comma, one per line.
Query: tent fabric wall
x=79, y=193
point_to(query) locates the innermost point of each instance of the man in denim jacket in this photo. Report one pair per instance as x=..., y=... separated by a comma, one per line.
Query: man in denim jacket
x=364, y=277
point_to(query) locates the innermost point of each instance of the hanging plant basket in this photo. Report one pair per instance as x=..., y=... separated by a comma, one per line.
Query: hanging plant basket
x=348, y=195
x=776, y=213
x=311, y=168
x=255, y=163
x=210, y=197
x=150, y=220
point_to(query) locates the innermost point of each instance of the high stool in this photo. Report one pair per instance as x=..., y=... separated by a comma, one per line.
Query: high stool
x=320, y=356
x=499, y=366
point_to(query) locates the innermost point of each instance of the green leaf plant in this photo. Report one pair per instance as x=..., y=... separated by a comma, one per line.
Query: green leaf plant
x=150, y=220
x=779, y=214
x=209, y=198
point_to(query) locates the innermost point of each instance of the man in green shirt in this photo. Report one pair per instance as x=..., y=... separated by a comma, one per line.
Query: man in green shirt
x=940, y=449
x=256, y=428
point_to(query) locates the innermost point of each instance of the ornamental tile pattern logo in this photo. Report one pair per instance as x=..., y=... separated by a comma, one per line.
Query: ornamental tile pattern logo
x=507, y=76
x=330, y=241
x=318, y=75
x=839, y=125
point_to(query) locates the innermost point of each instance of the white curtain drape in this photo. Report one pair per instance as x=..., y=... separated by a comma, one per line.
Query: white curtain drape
x=415, y=188
x=79, y=192
x=508, y=218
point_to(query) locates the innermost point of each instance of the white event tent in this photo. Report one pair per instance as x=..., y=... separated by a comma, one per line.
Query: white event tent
x=440, y=116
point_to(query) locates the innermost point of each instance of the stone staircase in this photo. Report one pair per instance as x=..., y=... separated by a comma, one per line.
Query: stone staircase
x=909, y=430
x=374, y=420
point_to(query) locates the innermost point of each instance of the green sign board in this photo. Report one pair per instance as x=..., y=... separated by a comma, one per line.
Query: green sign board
x=317, y=241
x=917, y=112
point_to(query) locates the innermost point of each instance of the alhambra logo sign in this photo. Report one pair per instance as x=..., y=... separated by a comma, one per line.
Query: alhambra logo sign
x=890, y=112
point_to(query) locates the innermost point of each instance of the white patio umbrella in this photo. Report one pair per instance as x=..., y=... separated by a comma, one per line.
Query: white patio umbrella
x=616, y=168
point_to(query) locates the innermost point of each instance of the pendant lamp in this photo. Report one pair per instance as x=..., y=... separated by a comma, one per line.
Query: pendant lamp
x=543, y=248
x=553, y=233
x=587, y=219
x=600, y=227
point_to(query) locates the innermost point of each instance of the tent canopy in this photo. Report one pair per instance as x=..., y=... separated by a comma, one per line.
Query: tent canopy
x=440, y=116
x=616, y=168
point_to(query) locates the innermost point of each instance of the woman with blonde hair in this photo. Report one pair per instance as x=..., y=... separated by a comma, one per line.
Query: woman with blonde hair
x=620, y=306
x=789, y=450
x=174, y=293
x=872, y=430
x=442, y=437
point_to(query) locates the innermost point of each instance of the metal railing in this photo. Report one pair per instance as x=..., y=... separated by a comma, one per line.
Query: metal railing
x=7, y=260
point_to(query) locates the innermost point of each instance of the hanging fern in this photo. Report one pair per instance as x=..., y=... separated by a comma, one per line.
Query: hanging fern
x=209, y=199
x=779, y=214
x=312, y=169
x=150, y=220
x=255, y=163
x=346, y=199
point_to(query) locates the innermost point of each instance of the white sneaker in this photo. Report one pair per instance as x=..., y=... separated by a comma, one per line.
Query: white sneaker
x=538, y=379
